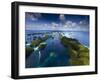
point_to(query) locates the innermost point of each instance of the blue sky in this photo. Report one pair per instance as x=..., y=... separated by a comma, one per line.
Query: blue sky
x=49, y=21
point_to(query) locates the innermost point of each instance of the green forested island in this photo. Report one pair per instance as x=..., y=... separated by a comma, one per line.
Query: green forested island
x=39, y=43
x=79, y=54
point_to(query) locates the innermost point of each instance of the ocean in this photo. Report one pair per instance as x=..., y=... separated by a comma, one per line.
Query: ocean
x=54, y=54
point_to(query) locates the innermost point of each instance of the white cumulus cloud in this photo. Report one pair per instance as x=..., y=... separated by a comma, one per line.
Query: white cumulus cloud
x=70, y=24
x=33, y=16
x=62, y=17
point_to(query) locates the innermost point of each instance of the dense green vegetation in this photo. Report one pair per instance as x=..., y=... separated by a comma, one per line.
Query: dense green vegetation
x=35, y=43
x=79, y=54
x=39, y=40
x=42, y=46
x=28, y=51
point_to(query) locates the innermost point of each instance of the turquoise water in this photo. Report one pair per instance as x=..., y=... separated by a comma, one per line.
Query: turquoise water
x=54, y=54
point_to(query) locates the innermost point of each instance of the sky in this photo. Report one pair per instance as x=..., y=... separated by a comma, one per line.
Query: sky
x=49, y=21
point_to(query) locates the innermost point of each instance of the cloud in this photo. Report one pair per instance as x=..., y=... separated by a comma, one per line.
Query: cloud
x=45, y=25
x=83, y=22
x=70, y=24
x=54, y=24
x=66, y=23
x=62, y=17
x=32, y=26
x=33, y=16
